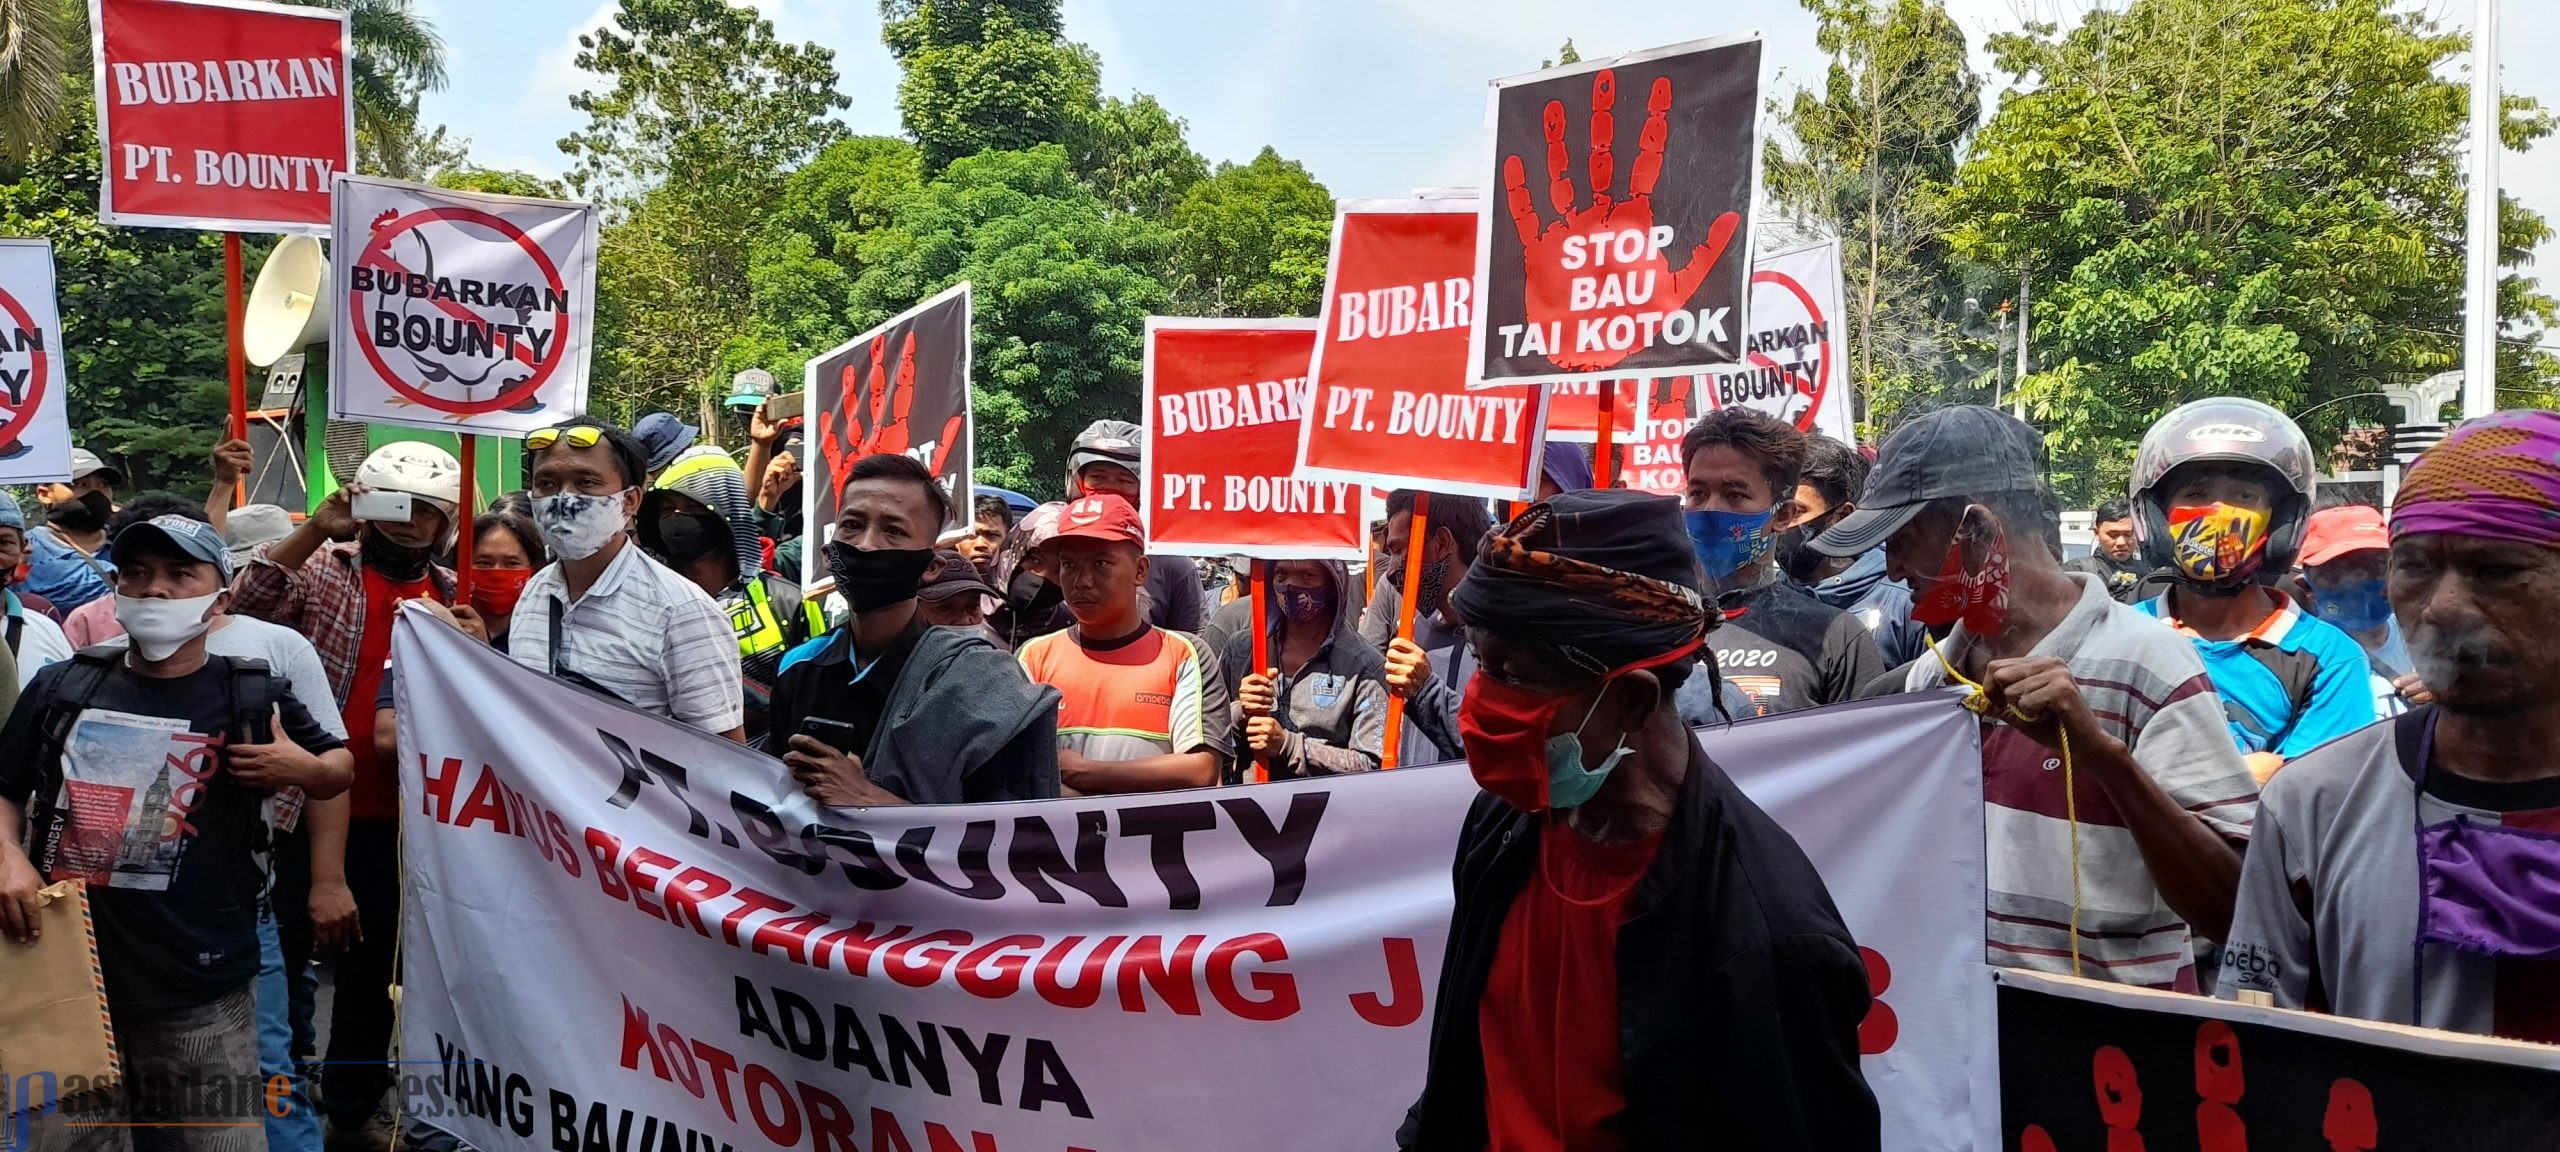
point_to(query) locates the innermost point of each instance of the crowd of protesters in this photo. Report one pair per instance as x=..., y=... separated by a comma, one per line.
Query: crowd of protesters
x=2288, y=720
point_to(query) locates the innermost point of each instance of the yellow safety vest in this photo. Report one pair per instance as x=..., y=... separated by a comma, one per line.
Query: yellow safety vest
x=759, y=627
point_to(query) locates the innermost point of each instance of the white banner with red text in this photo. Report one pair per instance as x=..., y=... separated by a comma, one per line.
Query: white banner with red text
x=625, y=933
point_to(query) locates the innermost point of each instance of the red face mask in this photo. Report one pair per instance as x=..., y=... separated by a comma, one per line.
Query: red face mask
x=1507, y=731
x=1973, y=582
x=494, y=590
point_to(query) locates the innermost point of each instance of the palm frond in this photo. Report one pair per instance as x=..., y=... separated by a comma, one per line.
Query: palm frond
x=35, y=46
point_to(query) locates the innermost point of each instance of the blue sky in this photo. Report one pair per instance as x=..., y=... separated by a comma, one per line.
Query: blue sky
x=1376, y=97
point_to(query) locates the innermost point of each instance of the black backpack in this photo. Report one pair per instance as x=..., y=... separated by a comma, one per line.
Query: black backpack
x=254, y=691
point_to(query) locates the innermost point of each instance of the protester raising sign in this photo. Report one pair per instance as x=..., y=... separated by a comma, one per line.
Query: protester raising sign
x=688, y=943
x=459, y=310
x=902, y=387
x=1391, y=405
x=225, y=115
x=1596, y=268
x=1222, y=397
x=1790, y=366
x=2096, y=1066
x=35, y=433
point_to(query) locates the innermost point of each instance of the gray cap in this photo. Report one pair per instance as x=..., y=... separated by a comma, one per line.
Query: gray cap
x=250, y=525
x=193, y=537
x=84, y=462
x=749, y=388
x=1964, y=451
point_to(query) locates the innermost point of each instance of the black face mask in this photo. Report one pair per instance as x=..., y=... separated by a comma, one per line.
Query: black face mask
x=1030, y=594
x=875, y=578
x=684, y=537
x=1794, y=557
x=395, y=560
x=86, y=512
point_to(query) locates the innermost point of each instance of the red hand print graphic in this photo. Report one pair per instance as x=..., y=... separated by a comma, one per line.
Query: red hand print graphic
x=1602, y=269
x=2220, y=1083
x=1881, y=1027
x=2119, y=1098
x=889, y=401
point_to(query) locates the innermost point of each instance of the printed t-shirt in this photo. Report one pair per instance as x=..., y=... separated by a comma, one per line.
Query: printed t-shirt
x=1160, y=693
x=2328, y=906
x=376, y=793
x=1789, y=651
x=167, y=839
x=2148, y=689
x=1553, y=1070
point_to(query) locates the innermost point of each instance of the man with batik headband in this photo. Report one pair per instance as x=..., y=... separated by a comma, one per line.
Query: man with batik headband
x=2401, y=873
x=1639, y=957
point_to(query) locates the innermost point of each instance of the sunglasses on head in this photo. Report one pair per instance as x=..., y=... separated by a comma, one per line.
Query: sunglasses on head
x=579, y=436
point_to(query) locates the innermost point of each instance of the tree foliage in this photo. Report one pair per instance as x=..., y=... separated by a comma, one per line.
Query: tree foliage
x=803, y=261
x=1133, y=153
x=40, y=42
x=397, y=55
x=2250, y=197
x=989, y=76
x=1869, y=156
x=1063, y=289
x=1252, y=239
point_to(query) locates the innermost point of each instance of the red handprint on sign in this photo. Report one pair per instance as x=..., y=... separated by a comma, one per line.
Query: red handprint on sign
x=888, y=402
x=1880, y=1028
x=1600, y=270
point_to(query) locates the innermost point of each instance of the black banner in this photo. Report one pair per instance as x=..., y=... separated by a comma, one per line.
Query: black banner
x=1618, y=239
x=902, y=387
x=2163, y=1073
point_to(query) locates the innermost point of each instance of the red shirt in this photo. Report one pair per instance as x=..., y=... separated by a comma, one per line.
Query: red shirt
x=376, y=793
x=1552, y=1073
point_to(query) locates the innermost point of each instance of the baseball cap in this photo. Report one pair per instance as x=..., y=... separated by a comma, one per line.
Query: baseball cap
x=1969, y=450
x=2335, y=532
x=663, y=437
x=1101, y=516
x=750, y=388
x=951, y=575
x=84, y=462
x=195, y=538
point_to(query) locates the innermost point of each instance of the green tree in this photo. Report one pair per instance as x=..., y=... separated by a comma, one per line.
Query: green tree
x=1133, y=154
x=1871, y=152
x=1252, y=240
x=2251, y=197
x=1064, y=287
x=39, y=44
x=806, y=255
x=705, y=114
x=397, y=55
x=989, y=76
x=1565, y=55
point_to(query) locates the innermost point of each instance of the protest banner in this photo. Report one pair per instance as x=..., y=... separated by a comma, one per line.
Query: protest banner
x=1653, y=462
x=902, y=387
x=1221, y=397
x=1391, y=405
x=1573, y=411
x=2106, y=1067
x=220, y=114
x=460, y=311
x=1634, y=271
x=622, y=927
x=35, y=425
x=1791, y=365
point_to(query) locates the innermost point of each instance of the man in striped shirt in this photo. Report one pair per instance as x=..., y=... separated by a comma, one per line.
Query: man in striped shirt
x=2162, y=799
x=1142, y=708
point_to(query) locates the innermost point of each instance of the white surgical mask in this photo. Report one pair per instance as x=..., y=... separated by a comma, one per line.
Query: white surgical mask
x=575, y=525
x=161, y=627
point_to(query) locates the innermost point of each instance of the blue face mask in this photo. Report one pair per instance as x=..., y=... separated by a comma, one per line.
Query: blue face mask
x=1727, y=541
x=1569, y=784
x=2357, y=607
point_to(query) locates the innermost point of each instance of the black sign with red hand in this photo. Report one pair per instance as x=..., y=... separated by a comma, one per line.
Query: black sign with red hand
x=902, y=387
x=1599, y=261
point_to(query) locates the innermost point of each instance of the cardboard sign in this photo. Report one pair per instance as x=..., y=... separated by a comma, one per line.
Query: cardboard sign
x=221, y=114
x=1792, y=363
x=1391, y=405
x=1607, y=253
x=902, y=387
x=2088, y=1066
x=1221, y=397
x=459, y=311
x=35, y=430
x=1573, y=411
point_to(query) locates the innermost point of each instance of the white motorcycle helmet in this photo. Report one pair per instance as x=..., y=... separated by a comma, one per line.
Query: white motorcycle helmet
x=424, y=471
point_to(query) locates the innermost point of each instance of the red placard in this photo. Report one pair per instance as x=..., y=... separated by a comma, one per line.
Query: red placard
x=1573, y=411
x=220, y=114
x=1391, y=405
x=1221, y=396
x=1651, y=462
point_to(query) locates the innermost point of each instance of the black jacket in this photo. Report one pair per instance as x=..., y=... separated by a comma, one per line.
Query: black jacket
x=1739, y=991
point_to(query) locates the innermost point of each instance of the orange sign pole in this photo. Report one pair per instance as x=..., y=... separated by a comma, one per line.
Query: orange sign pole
x=1259, y=588
x=1601, y=475
x=1416, y=542
x=462, y=515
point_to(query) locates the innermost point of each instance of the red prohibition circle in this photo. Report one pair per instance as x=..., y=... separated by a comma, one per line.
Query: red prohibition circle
x=380, y=245
x=37, y=379
x=1822, y=378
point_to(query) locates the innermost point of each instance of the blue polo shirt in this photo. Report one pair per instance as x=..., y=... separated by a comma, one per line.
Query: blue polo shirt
x=2261, y=709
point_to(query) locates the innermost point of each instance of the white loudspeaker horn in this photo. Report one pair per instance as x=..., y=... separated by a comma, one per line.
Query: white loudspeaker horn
x=289, y=306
